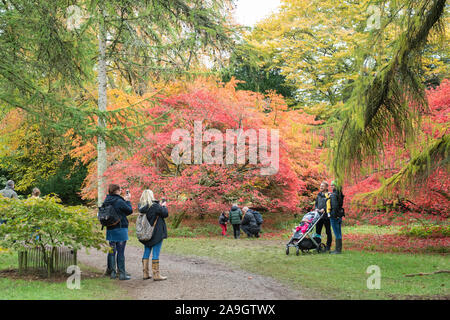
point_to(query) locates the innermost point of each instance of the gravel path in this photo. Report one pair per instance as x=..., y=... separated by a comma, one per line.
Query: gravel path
x=191, y=278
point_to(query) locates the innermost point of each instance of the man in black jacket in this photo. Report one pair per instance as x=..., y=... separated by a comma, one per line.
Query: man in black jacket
x=337, y=199
x=321, y=205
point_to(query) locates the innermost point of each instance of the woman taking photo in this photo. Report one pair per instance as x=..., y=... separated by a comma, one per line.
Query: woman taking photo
x=156, y=213
x=117, y=235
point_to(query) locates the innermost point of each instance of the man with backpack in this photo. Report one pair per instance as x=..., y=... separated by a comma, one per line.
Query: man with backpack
x=323, y=204
x=259, y=220
x=337, y=212
x=249, y=224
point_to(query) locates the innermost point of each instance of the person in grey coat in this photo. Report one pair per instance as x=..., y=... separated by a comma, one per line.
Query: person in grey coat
x=8, y=192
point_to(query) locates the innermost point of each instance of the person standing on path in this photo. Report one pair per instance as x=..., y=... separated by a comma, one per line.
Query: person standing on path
x=117, y=235
x=322, y=200
x=156, y=213
x=235, y=220
x=337, y=200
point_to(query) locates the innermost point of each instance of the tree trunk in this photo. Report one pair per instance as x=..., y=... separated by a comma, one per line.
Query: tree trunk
x=102, y=102
x=75, y=257
x=20, y=262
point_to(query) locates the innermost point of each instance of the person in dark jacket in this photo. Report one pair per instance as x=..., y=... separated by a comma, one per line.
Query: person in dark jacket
x=223, y=220
x=337, y=200
x=235, y=220
x=117, y=235
x=321, y=205
x=259, y=221
x=156, y=213
x=248, y=224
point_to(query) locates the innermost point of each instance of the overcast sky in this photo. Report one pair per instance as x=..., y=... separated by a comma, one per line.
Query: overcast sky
x=248, y=12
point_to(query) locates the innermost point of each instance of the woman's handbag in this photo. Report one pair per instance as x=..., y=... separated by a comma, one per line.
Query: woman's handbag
x=144, y=230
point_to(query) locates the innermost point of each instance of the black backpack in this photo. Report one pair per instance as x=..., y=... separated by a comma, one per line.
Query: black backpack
x=108, y=216
x=341, y=211
x=258, y=217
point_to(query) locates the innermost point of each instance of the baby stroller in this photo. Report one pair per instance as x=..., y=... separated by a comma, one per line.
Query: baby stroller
x=302, y=240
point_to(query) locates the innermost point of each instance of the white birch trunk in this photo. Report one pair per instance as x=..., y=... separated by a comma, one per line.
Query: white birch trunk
x=102, y=102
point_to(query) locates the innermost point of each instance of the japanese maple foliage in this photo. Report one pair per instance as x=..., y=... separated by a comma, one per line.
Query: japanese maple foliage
x=200, y=189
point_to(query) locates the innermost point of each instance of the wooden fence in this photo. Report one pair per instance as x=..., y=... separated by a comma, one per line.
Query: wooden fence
x=47, y=260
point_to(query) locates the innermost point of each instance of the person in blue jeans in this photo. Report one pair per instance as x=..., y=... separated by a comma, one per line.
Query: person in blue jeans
x=337, y=199
x=156, y=212
x=117, y=235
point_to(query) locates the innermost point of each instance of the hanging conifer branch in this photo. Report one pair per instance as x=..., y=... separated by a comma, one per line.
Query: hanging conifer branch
x=380, y=104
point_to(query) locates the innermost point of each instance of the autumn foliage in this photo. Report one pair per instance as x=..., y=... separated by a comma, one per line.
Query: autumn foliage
x=201, y=189
x=423, y=202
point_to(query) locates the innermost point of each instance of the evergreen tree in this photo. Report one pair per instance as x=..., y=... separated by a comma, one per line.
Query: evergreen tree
x=49, y=49
x=387, y=101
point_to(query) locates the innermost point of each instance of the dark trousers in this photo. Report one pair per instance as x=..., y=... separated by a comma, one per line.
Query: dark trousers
x=325, y=222
x=250, y=230
x=236, y=230
x=118, y=250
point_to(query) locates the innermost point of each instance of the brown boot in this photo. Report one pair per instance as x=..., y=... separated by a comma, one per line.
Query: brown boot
x=145, y=269
x=155, y=268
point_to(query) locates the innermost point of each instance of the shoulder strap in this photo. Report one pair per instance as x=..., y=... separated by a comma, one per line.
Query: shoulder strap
x=155, y=221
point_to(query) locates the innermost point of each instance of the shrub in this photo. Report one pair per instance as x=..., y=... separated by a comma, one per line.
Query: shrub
x=428, y=231
x=45, y=223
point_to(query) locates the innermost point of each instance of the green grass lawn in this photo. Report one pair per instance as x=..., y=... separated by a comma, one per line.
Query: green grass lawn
x=370, y=229
x=282, y=227
x=97, y=288
x=324, y=275
x=316, y=275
